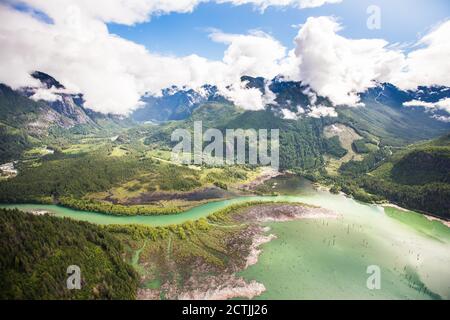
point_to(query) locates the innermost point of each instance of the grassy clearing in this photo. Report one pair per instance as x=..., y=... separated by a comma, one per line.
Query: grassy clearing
x=346, y=137
x=167, y=178
x=159, y=154
x=36, y=152
x=82, y=148
x=119, y=152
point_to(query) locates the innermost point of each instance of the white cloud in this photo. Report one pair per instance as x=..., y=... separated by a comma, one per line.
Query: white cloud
x=322, y=111
x=255, y=54
x=249, y=98
x=418, y=103
x=441, y=118
x=340, y=68
x=113, y=73
x=288, y=114
x=430, y=63
x=45, y=94
x=337, y=67
x=126, y=12
x=443, y=104
x=264, y=4
x=130, y=12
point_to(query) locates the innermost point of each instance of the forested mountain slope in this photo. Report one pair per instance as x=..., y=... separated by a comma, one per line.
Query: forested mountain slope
x=416, y=177
x=27, y=121
x=35, y=252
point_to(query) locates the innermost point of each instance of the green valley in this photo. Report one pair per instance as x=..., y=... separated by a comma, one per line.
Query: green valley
x=102, y=192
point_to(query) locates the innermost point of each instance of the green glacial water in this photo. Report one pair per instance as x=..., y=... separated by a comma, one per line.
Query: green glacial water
x=328, y=258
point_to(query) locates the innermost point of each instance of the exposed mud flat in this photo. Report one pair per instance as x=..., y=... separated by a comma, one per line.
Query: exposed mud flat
x=283, y=212
x=40, y=212
x=207, y=281
x=225, y=285
x=216, y=288
x=255, y=249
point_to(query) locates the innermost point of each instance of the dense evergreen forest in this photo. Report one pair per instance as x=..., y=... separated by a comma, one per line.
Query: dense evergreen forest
x=35, y=252
x=302, y=144
x=69, y=176
x=416, y=177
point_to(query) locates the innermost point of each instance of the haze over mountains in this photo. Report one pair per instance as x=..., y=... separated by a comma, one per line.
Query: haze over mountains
x=290, y=100
x=382, y=106
x=384, y=121
x=35, y=112
x=29, y=114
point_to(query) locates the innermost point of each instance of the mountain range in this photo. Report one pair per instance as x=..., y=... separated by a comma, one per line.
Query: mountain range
x=26, y=114
x=27, y=118
x=370, y=153
x=382, y=112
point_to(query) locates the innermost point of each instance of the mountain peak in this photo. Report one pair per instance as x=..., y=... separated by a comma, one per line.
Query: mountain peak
x=47, y=80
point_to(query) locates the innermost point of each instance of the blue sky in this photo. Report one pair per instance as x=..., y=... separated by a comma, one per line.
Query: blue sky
x=183, y=34
x=80, y=43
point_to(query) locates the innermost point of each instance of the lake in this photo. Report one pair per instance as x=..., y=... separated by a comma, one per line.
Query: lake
x=328, y=258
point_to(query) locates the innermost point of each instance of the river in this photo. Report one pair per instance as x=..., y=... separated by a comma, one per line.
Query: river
x=328, y=258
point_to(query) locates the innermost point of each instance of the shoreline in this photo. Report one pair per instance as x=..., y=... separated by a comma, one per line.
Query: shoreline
x=321, y=187
x=227, y=284
x=180, y=204
x=426, y=215
x=269, y=213
x=265, y=175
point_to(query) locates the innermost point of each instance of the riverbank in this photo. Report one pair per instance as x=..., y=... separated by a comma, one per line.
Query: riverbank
x=243, y=235
x=191, y=258
x=167, y=202
x=428, y=216
x=265, y=175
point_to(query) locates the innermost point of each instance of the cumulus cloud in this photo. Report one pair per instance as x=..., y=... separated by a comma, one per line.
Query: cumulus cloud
x=340, y=68
x=264, y=4
x=46, y=95
x=114, y=73
x=255, y=54
x=337, y=67
x=322, y=111
x=249, y=98
x=288, y=114
x=429, y=64
x=443, y=105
